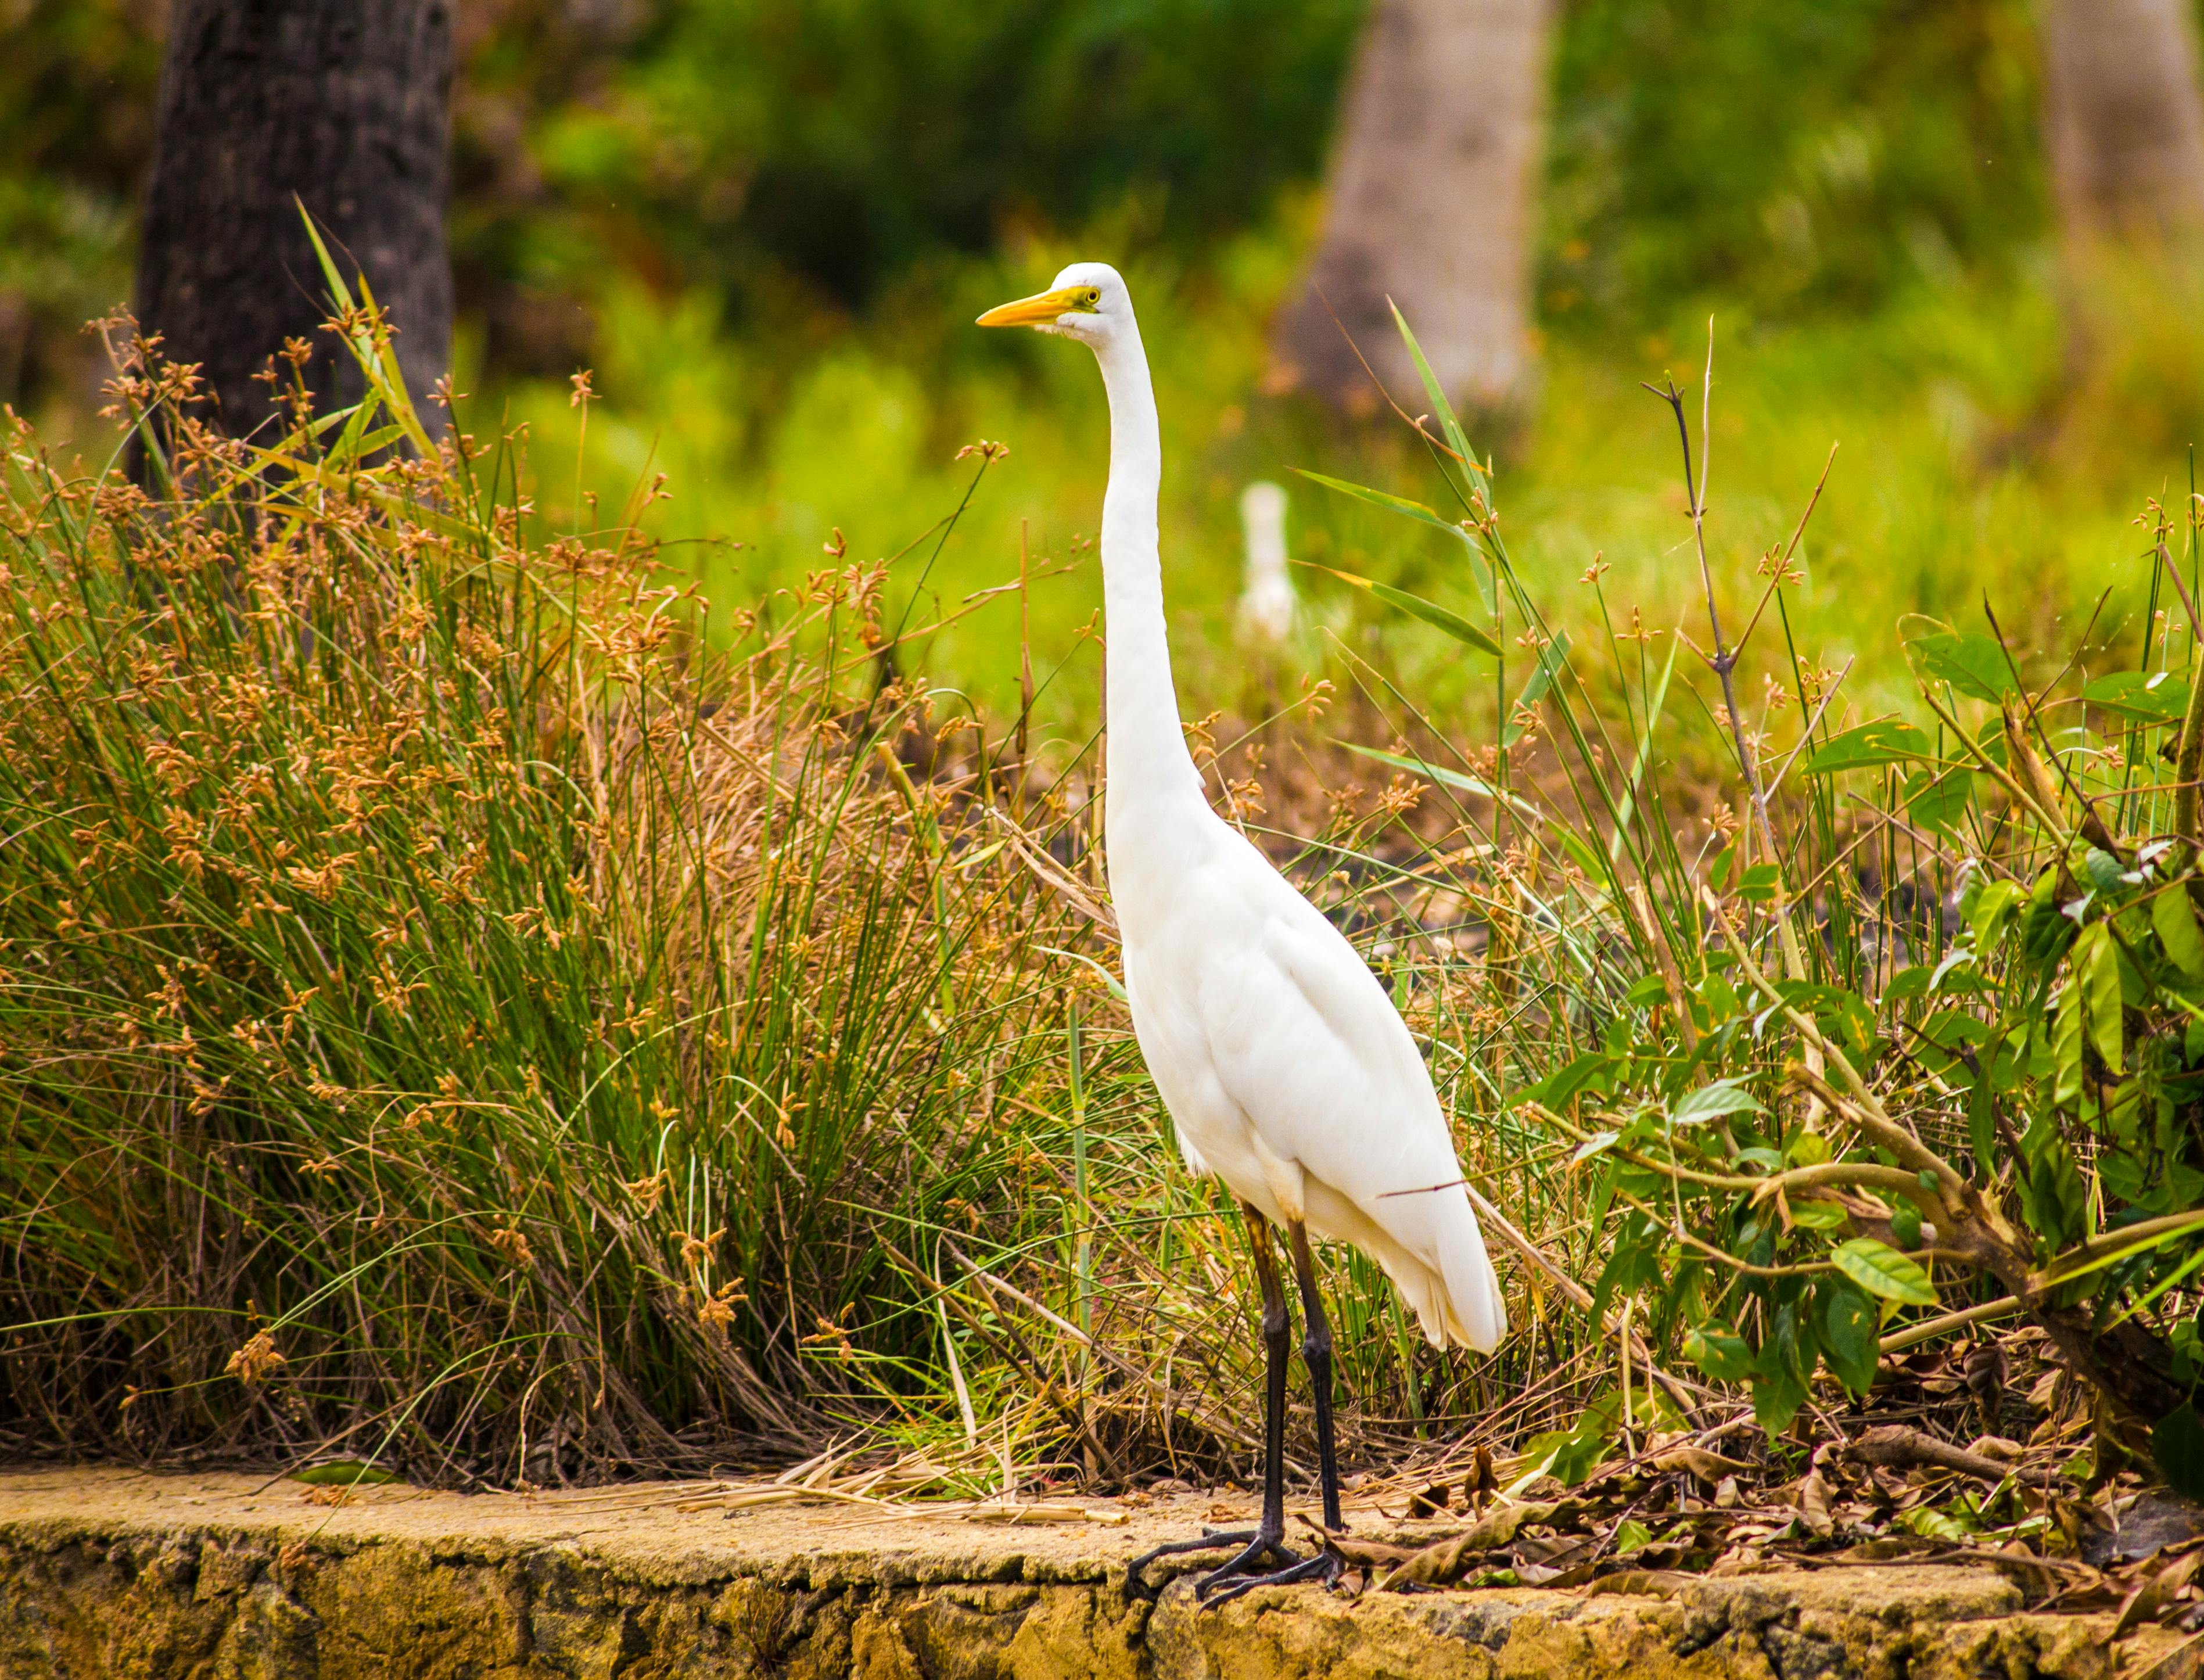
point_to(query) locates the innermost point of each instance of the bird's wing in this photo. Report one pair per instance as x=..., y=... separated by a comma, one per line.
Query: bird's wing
x=1304, y=1040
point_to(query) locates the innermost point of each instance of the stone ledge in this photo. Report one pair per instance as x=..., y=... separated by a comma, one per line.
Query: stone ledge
x=107, y=1573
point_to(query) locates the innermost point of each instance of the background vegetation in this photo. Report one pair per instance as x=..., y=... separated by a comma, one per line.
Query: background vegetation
x=767, y=227
x=513, y=977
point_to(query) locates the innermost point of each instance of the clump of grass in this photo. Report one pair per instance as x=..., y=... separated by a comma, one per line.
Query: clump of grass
x=447, y=1009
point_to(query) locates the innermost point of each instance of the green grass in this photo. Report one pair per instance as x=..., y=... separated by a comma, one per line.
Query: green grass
x=1964, y=463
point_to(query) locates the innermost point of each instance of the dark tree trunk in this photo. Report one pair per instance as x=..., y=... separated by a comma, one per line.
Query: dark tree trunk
x=341, y=104
x=1433, y=201
x=2123, y=118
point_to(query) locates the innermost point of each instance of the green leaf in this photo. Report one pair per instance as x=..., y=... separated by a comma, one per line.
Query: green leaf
x=2066, y=1044
x=1720, y=1355
x=1723, y=867
x=1435, y=395
x=1971, y=662
x=1711, y=1102
x=385, y=382
x=1994, y=906
x=1881, y=1269
x=2097, y=966
x=2103, y=869
x=1938, y=800
x=2177, y=1447
x=1386, y=500
x=1832, y=1006
x=1630, y=1534
x=1572, y=1454
x=1572, y=1080
x=1598, y=1143
x=2171, y=914
x=2150, y=697
x=2045, y=929
x=1817, y=1215
x=1851, y=1334
x=1906, y=1222
x=1892, y=741
x=1910, y=983
x=1416, y=606
x=2053, y=1200
x=1931, y=1524
x=1982, y=1129
x=1779, y=1386
x=1761, y=883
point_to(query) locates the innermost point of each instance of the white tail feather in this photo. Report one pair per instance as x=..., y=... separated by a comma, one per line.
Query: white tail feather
x=1477, y=1315
x=1455, y=1300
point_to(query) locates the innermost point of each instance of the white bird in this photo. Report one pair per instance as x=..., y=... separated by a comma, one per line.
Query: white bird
x=1266, y=597
x=1285, y=1067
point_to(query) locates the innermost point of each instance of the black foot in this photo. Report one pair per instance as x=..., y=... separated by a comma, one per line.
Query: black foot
x=1324, y=1567
x=1210, y=1540
x=1263, y=1546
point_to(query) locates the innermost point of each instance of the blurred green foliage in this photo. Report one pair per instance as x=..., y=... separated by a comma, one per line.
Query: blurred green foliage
x=791, y=161
x=1817, y=156
x=767, y=225
x=76, y=127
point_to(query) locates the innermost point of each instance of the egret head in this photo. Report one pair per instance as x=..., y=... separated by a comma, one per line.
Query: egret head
x=1087, y=301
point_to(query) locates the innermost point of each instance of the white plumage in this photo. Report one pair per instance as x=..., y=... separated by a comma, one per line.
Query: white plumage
x=1287, y=1071
x=1266, y=594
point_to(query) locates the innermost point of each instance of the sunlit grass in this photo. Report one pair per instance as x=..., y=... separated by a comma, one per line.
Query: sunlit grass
x=1963, y=464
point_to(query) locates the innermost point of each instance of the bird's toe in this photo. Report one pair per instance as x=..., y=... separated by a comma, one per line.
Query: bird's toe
x=1324, y=1568
x=1209, y=1540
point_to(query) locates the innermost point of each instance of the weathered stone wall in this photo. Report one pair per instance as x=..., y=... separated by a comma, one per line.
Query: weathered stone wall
x=104, y=1578
x=196, y=1606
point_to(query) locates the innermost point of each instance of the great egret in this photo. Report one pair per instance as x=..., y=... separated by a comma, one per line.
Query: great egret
x=1286, y=1070
x=1266, y=598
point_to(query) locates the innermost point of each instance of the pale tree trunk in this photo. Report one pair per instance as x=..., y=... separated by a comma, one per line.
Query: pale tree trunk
x=339, y=105
x=1432, y=202
x=2122, y=120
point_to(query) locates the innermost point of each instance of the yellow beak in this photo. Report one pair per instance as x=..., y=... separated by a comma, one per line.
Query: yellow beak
x=1036, y=311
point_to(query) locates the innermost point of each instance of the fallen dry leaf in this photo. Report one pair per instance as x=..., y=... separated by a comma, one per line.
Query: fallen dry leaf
x=1710, y=1468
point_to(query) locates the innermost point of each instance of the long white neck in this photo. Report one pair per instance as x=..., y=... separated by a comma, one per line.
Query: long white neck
x=1148, y=756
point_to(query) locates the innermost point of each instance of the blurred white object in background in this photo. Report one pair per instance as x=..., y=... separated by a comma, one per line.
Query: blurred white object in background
x=1266, y=600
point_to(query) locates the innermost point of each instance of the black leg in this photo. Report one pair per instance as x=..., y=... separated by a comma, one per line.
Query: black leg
x=1265, y=1542
x=1241, y=1576
x=1316, y=1353
x=1277, y=1334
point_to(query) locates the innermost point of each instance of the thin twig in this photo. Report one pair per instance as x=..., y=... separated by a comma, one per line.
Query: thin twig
x=1723, y=659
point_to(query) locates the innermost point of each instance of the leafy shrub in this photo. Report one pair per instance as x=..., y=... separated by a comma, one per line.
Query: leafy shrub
x=1928, y=1050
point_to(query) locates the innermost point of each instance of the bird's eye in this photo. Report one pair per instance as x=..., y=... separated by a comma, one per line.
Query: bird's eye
x=1089, y=296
